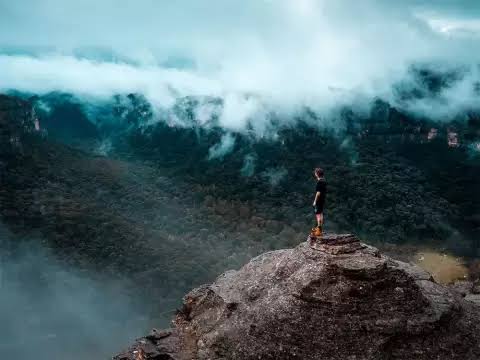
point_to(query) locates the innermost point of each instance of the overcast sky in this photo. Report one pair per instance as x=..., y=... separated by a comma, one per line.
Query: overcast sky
x=288, y=53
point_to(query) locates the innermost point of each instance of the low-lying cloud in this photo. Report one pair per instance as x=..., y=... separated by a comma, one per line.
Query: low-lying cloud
x=248, y=168
x=50, y=311
x=224, y=147
x=258, y=56
x=274, y=176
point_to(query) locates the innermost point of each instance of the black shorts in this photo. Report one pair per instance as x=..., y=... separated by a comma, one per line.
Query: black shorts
x=318, y=209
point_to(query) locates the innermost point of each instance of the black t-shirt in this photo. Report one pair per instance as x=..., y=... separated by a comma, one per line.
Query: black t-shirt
x=322, y=188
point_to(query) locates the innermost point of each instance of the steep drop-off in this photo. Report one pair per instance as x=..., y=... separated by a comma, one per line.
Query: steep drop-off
x=165, y=230
x=341, y=300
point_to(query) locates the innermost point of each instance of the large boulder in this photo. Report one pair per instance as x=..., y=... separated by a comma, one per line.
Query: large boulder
x=339, y=300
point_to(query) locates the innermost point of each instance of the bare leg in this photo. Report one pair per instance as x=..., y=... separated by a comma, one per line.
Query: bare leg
x=319, y=220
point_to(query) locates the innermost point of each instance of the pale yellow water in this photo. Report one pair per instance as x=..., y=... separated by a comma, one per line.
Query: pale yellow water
x=444, y=268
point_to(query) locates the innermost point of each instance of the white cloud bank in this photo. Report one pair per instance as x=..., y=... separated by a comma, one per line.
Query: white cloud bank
x=257, y=55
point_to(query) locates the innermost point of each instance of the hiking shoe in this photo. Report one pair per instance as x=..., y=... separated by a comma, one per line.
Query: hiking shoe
x=317, y=232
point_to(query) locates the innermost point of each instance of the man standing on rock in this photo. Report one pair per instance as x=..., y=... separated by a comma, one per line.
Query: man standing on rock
x=319, y=200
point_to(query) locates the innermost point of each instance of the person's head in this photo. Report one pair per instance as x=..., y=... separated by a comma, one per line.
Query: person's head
x=318, y=173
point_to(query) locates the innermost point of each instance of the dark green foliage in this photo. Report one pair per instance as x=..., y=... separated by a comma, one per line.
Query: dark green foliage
x=386, y=181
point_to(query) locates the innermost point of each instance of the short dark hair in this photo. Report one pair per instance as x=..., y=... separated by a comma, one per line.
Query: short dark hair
x=319, y=172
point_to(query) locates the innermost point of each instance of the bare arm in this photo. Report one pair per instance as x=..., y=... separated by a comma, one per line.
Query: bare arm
x=317, y=196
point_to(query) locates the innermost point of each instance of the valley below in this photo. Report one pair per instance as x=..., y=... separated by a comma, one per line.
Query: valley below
x=98, y=245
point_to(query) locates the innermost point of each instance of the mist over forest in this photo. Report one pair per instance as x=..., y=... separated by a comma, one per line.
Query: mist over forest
x=158, y=145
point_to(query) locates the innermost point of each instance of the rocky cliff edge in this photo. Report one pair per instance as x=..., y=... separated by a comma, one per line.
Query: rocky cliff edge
x=340, y=300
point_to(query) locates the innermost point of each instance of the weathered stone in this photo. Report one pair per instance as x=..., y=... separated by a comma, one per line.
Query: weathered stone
x=303, y=303
x=476, y=287
x=474, y=298
x=336, y=244
x=158, y=334
x=462, y=287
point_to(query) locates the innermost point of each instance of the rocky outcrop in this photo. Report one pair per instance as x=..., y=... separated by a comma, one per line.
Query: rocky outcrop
x=469, y=290
x=339, y=300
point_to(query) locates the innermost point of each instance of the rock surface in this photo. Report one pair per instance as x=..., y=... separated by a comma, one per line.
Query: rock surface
x=305, y=303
